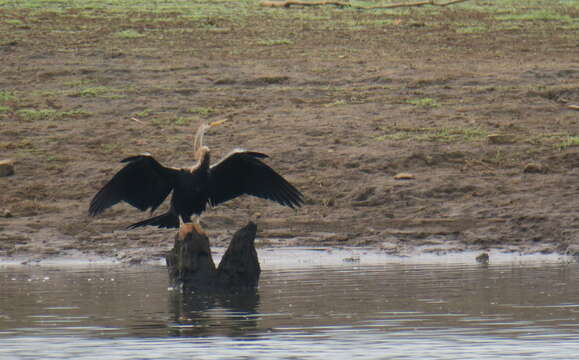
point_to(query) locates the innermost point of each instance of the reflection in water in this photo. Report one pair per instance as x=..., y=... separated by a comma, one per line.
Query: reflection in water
x=403, y=310
x=220, y=313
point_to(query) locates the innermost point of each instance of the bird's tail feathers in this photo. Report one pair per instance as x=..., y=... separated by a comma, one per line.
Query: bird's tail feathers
x=167, y=221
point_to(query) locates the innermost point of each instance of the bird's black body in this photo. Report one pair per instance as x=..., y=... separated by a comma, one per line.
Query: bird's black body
x=144, y=183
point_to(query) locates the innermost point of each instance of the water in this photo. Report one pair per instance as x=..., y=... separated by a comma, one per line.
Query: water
x=345, y=310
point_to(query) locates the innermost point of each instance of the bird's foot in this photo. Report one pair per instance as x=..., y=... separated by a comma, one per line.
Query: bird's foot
x=186, y=228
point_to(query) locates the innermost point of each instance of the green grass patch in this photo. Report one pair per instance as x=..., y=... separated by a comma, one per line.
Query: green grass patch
x=569, y=141
x=172, y=121
x=337, y=103
x=50, y=114
x=128, y=34
x=474, y=29
x=202, y=111
x=7, y=96
x=535, y=15
x=143, y=113
x=4, y=109
x=15, y=22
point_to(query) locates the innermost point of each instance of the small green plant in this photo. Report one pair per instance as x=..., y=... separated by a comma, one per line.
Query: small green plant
x=424, y=102
x=182, y=120
x=203, y=111
x=537, y=15
x=472, y=29
x=569, y=141
x=6, y=96
x=13, y=22
x=128, y=34
x=4, y=109
x=144, y=113
x=337, y=103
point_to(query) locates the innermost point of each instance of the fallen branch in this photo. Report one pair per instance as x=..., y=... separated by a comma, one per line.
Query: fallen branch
x=288, y=3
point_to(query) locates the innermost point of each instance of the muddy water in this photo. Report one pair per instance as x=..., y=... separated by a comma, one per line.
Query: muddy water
x=341, y=311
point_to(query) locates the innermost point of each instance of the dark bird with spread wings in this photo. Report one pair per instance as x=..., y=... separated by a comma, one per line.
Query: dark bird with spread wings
x=144, y=183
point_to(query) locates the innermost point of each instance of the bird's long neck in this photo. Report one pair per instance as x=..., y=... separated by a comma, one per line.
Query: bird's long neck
x=198, y=141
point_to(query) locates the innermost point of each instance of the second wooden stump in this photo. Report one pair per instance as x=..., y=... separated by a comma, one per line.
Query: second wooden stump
x=191, y=265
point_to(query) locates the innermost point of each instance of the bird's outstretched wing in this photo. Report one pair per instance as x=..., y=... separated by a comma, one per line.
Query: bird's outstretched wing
x=143, y=183
x=241, y=172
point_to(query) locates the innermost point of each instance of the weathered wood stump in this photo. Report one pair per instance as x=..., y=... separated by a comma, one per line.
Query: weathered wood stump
x=191, y=265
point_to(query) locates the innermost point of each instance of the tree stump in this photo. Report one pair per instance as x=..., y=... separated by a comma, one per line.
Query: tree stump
x=191, y=265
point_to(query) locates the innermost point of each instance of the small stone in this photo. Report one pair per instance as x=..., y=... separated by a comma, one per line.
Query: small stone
x=501, y=139
x=6, y=167
x=6, y=213
x=404, y=176
x=483, y=259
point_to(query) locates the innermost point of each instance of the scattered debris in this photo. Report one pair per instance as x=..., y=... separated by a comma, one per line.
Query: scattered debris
x=6, y=167
x=483, y=259
x=404, y=176
x=534, y=168
x=352, y=259
x=501, y=139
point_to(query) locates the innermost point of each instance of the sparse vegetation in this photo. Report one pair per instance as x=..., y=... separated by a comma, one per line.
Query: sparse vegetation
x=7, y=96
x=50, y=114
x=424, y=102
x=129, y=34
x=447, y=135
x=203, y=111
x=93, y=91
x=177, y=120
x=144, y=113
x=568, y=141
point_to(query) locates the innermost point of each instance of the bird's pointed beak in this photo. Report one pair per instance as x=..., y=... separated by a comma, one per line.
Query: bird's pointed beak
x=217, y=123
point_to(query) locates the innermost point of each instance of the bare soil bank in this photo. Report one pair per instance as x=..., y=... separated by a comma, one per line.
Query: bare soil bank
x=342, y=103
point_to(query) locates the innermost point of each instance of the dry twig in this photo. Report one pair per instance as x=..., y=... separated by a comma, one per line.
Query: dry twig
x=288, y=3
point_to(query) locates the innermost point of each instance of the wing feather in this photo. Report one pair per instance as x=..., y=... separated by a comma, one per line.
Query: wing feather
x=242, y=172
x=142, y=183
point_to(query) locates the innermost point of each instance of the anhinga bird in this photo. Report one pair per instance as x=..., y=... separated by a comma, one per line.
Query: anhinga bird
x=144, y=183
